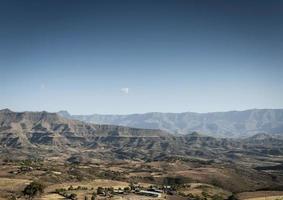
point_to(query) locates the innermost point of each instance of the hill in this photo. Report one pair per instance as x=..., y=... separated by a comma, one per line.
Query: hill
x=75, y=150
x=34, y=129
x=50, y=132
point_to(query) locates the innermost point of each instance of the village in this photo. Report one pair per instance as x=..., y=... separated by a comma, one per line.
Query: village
x=133, y=189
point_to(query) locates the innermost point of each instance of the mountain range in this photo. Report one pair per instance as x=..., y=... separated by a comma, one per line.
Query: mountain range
x=230, y=124
x=49, y=133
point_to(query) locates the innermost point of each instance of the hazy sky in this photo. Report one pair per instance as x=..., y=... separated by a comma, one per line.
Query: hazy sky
x=140, y=56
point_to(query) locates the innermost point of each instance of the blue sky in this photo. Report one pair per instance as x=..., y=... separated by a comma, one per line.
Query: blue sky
x=141, y=56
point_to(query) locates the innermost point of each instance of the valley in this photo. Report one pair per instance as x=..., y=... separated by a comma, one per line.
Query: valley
x=78, y=160
x=177, y=179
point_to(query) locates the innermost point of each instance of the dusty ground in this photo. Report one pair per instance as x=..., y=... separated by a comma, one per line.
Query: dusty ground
x=267, y=198
x=195, y=178
x=50, y=197
x=13, y=184
x=261, y=195
x=89, y=184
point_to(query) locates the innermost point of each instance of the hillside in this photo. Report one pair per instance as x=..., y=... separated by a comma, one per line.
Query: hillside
x=219, y=124
x=84, y=151
x=30, y=129
x=50, y=132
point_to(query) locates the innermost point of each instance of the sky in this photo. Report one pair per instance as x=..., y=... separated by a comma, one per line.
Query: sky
x=137, y=56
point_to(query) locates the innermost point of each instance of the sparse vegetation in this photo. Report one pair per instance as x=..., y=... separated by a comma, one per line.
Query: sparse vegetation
x=102, y=171
x=33, y=189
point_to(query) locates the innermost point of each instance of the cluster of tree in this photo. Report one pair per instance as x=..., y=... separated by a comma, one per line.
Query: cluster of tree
x=206, y=196
x=33, y=189
x=93, y=197
x=71, y=196
x=174, y=181
x=66, y=192
x=233, y=197
x=105, y=191
x=108, y=174
x=63, y=192
x=78, y=188
x=29, y=165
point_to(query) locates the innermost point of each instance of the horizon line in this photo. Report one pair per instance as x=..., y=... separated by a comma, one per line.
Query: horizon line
x=141, y=113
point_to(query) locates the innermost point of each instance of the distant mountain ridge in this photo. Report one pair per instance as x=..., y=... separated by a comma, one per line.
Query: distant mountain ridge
x=46, y=133
x=217, y=124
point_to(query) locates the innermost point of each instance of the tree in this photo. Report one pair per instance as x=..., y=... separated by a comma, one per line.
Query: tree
x=110, y=190
x=131, y=185
x=126, y=189
x=73, y=196
x=33, y=189
x=205, y=194
x=232, y=197
x=217, y=197
x=100, y=190
x=71, y=187
x=93, y=197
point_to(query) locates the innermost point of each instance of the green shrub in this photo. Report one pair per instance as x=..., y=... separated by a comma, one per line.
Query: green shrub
x=100, y=190
x=217, y=197
x=33, y=189
x=73, y=196
x=232, y=197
